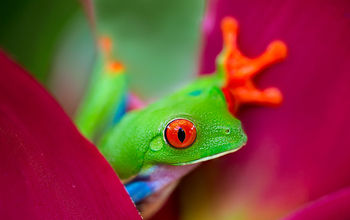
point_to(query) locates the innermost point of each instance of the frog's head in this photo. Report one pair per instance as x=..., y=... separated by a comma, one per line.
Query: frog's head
x=191, y=128
x=188, y=127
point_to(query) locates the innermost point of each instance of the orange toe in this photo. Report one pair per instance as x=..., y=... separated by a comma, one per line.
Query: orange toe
x=112, y=66
x=239, y=87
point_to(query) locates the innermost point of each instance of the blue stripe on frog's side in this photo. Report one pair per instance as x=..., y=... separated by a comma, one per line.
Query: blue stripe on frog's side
x=120, y=110
x=139, y=190
x=154, y=179
x=195, y=93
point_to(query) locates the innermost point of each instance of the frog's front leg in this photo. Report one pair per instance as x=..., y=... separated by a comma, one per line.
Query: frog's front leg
x=151, y=187
x=105, y=100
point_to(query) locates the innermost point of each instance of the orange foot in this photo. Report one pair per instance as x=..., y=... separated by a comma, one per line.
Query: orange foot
x=112, y=66
x=239, y=87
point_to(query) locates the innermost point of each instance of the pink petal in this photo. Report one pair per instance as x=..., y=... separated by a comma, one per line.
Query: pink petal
x=48, y=170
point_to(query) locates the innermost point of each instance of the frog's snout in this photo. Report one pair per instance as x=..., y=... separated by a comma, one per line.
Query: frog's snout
x=234, y=134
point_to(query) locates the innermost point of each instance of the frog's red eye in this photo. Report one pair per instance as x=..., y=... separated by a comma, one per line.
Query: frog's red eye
x=180, y=133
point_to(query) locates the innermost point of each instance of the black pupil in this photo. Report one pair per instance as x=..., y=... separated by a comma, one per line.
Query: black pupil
x=181, y=135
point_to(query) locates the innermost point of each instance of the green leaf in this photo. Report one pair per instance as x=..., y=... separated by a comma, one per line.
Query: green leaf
x=29, y=30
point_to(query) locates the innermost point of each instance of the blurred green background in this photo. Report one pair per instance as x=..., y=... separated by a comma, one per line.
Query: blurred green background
x=30, y=30
x=158, y=41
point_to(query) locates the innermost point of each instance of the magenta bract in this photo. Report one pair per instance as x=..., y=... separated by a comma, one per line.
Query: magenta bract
x=48, y=170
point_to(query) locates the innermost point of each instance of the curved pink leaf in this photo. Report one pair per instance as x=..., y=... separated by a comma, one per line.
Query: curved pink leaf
x=47, y=169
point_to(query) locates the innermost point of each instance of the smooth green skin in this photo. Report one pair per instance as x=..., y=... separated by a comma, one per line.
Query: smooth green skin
x=100, y=103
x=138, y=143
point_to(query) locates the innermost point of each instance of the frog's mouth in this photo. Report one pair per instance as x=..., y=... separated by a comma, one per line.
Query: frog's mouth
x=209, y=157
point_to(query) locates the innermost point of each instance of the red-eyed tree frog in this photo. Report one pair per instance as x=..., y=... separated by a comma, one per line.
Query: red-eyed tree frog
x=153, y=147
